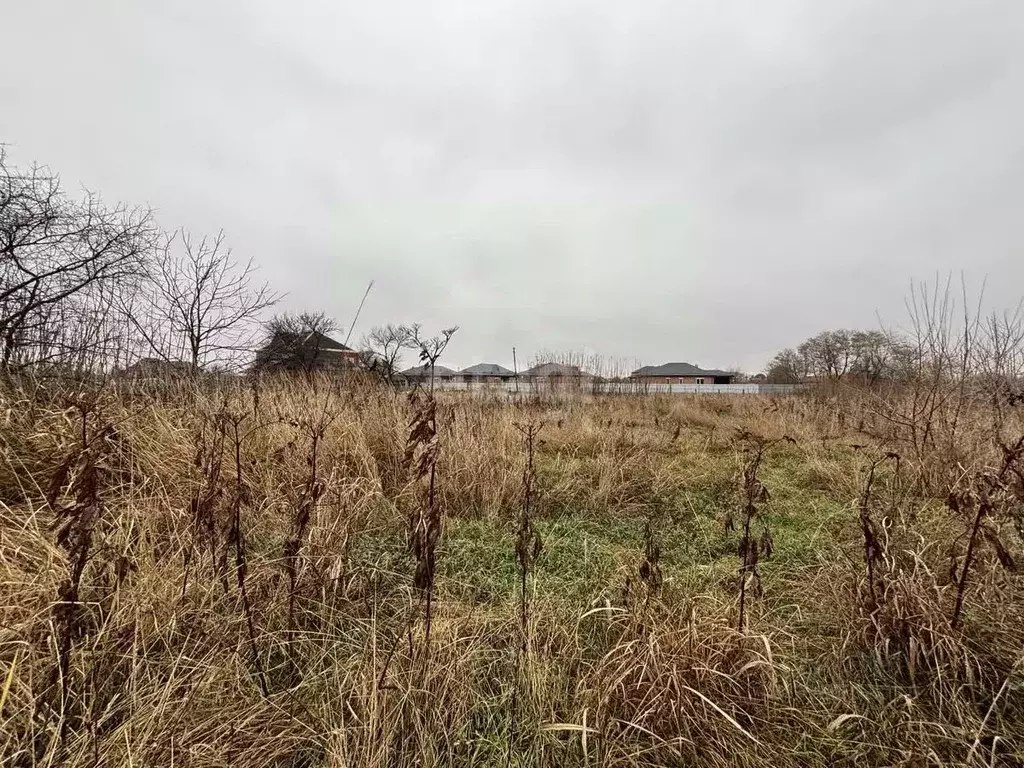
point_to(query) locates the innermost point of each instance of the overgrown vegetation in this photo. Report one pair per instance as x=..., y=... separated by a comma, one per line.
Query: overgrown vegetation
x=196, y=576
x=297, y=569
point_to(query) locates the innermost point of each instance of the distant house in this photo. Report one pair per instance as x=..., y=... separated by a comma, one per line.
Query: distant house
x=307, y=352
x=486, y=372
x=421, y=373
x=680, y=373
x=557, y=373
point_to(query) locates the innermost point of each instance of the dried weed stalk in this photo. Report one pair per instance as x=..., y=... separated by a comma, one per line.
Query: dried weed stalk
x=650, y=567
x=528, y=548
x=216, y=509
x=874, y=540
x=308, y=497
x=80, y=476
x=206, y=501
x=528, y=540
x=752, y=546
x=985, y=500
x=240, y=497
x=425, y=521
x=422, y=450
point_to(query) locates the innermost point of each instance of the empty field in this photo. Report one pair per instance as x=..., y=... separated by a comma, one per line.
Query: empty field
x=212, y=577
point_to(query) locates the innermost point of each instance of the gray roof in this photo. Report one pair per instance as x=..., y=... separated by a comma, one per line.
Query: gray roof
x=677, y=369
x=423, y=372
x=555, y=369
x=486, y=369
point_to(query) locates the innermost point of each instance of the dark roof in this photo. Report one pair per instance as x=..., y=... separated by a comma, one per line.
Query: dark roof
x=678, y=369
x=318, y=340
x=423, y=372
x=486, y=369
x=312, y=340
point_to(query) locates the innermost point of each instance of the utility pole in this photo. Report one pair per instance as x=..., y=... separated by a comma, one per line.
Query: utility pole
x=515, y=369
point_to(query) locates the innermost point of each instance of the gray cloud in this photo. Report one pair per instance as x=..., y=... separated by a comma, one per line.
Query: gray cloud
x=652, y=180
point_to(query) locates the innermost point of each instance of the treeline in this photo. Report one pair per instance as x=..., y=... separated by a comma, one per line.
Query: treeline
x=870, y=356
x=949, y=340
x=89, y=287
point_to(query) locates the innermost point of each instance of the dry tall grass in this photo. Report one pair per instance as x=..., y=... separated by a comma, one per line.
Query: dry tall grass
x=219, y=575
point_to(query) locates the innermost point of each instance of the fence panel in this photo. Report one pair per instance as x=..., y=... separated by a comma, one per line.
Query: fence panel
x=617, y=388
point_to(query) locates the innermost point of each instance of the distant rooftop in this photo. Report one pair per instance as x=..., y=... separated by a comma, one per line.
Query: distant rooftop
x=677, y=369
x=423, y=372
x=555, y=369
x=321, y=341
x=311, y=339
x=486, y=369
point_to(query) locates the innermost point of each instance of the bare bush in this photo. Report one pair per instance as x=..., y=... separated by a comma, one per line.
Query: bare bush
x=430, y=348
x=962, y=362
x=383, y=347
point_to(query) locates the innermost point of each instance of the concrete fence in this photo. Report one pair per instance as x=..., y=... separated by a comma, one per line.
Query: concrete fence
x=616, y=388
x=707, y=389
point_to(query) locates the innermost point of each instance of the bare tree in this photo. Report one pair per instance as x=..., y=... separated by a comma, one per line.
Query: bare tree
x=787, y=367
x=879, y=355
x=828, y=354
x=383, y=347
x=203, y=306
x=296, y=343
x=61, y=263
x=869, y=356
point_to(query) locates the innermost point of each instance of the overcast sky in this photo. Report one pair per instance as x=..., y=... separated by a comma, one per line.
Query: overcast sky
x=656, y=181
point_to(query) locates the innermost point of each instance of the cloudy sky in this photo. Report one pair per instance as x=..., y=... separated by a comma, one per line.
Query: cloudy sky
x=654, y=181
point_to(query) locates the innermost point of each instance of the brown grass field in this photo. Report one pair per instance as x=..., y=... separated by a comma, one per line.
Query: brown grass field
x=222, y=575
